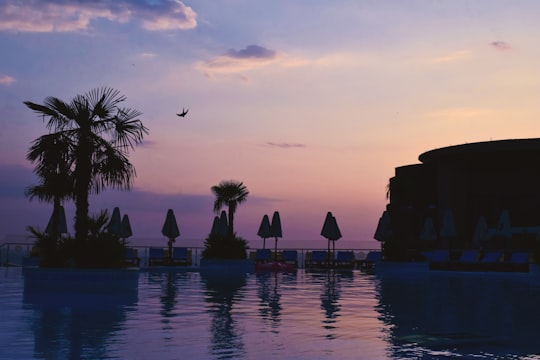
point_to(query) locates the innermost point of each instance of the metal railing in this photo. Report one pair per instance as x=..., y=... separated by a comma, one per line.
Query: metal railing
x=18, y=254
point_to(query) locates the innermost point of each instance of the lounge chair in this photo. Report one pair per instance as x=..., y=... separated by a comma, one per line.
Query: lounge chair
x=290, y=257
x=263, y=255
x=156, y=256
x=519, y=257
x=317, y=258
x=491, y=257
x=181, y=256
x=491, y=261
x=468, y=256
x=368, y=264
x=345, y=259
x=131, y=257
x=439, y=256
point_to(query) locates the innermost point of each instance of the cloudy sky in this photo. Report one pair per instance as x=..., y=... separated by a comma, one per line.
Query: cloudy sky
x=312, y=104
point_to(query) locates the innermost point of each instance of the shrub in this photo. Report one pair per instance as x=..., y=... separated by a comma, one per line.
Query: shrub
x=224, y=247
x=100, y=249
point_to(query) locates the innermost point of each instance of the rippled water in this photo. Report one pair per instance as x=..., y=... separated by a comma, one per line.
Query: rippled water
x=302, y=315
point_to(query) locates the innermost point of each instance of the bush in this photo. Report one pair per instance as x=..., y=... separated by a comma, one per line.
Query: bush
x=100, y=249
x=224, y=247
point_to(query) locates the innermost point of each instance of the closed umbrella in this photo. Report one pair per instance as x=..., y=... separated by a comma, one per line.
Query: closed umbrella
x=448, y=229
x=264, y=229
x=55, y=228
x=336, y=233
x=275, y=230
x=170, y=230
x=383, y=231
x=504, y=229
x=115, y=224
x=57, y=222
x=480, y=231
x=428, y=233
x=215, y=231
x=223, y=224
x=330, y=231
x=125, y=231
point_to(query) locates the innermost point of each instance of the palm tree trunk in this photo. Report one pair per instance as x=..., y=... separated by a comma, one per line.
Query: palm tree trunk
x=55, y=233
x=232, y=209
x=83, y=177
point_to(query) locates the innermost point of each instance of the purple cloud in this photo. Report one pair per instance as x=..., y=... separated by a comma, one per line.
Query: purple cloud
x=252, y=52
x=66, y=16
x=500, y=45
x=237, y=62
x=286, y=145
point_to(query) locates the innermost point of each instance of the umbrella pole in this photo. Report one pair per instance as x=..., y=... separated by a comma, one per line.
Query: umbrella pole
x=334, y=253
x=328, y=255
x=275, y=249
x=264, y=243
x=170, y=250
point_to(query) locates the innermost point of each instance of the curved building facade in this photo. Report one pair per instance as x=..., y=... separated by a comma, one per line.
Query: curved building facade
x=469, y=181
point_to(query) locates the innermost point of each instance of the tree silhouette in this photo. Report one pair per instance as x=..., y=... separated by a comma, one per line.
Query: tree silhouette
x=229, y=193
x=96, y=135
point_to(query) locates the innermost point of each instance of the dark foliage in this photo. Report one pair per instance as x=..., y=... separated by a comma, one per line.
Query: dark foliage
x=224, y=247
x=101, y=249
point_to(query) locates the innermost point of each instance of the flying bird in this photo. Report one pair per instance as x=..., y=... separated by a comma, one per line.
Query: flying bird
x=184, y=112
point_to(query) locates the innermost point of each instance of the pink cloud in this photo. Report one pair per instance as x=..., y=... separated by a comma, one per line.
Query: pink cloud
x=500, y=45
x=6, y=80
x=285, y=145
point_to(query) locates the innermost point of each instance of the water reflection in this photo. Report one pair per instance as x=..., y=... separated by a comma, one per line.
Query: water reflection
x=222, y=293
x=268, y=289
x=77, y=313
x=169, y=283
x=447, y=315
x=331, y=281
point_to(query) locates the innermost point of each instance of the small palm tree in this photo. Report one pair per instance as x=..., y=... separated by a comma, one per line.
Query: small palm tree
x=229, y=193
x=98, y=134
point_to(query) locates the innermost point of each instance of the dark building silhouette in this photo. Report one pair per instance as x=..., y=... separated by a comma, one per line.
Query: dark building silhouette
x=470, y=180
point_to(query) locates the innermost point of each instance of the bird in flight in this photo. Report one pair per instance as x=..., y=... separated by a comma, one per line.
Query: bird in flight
x=184, y=112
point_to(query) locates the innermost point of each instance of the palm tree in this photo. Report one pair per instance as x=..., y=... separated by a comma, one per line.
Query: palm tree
x=98, y=134
x=229, y=193
x=51, y=152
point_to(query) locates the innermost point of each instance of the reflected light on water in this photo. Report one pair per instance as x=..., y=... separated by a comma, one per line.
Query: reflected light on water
x=300, y=315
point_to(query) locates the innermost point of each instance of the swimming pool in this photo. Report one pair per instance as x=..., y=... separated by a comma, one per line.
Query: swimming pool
x=53, y=314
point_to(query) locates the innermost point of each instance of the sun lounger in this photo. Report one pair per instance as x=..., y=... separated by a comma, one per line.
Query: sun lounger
x=491, y=257
x=345, y=259
x=181, y=256
x=290, y=257
x=519, y=257
x=316, y=258
x=263, y=255
x=439, y=256
x=468, y=256
x=131, y=257
x=156, y=256
x=368, y=264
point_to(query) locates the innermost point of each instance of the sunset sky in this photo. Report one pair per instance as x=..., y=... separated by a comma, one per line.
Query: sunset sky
x=312, y=104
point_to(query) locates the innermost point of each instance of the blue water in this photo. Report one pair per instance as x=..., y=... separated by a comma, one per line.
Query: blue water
x=51, y=314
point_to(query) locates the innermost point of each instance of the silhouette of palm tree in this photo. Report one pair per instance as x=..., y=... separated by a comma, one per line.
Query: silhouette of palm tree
x=97, y=134
x=229, y=193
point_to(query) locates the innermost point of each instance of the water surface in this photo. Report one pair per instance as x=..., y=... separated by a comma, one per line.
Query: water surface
x=301, y=315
